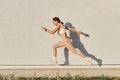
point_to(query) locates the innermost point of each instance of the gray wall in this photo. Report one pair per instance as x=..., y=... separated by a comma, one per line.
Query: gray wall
x=23, y=43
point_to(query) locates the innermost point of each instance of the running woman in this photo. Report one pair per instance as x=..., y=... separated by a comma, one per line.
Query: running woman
x=65, y=41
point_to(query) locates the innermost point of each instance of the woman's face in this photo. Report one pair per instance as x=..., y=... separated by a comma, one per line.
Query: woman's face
x=55, y=22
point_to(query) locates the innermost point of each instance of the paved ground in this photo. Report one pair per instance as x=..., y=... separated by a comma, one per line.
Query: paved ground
x=61, y=70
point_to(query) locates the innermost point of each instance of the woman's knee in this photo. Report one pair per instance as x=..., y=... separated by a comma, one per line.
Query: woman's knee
x=54, y=46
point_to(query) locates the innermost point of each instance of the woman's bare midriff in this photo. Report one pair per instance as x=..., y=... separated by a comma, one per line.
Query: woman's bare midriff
x=65, y=38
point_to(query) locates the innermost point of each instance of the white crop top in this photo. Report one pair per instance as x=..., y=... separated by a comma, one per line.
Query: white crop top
x=62, y=30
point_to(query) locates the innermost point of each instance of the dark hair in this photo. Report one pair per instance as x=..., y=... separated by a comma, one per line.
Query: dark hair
x=57, y=19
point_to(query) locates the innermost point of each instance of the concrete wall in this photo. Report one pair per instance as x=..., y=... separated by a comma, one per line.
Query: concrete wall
x=23, y=43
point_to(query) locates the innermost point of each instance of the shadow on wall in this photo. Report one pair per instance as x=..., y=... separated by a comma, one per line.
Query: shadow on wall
x=79, y=45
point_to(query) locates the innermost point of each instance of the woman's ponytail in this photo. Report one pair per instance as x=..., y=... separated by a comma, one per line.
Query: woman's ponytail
x=61, y=22
x=57, y=19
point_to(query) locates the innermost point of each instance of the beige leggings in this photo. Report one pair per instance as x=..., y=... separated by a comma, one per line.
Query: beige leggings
x=67, y=43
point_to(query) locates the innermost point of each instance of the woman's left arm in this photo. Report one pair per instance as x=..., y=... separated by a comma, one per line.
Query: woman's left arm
x=77, y=31
x=50, y=31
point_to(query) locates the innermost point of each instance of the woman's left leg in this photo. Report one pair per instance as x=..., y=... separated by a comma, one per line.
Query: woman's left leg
x=69, y=45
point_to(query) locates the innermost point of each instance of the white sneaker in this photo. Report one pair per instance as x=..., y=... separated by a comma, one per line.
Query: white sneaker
x=89, y=60
x=53, y=62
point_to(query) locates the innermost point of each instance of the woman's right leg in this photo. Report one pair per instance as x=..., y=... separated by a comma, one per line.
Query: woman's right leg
x=55, y=46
